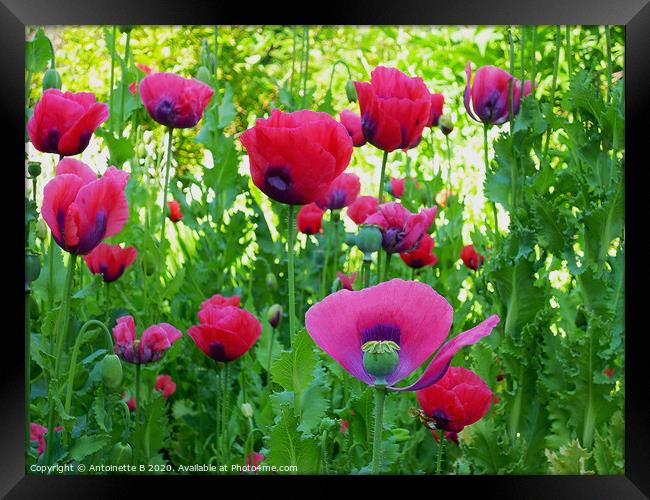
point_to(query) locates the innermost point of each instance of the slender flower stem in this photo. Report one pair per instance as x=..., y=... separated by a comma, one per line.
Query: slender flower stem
x=268, y=365
x=110, y=98
x=28, y=360
x=224, y=410
x=164, y=201
x=533, y=55
x=412, y=274
x=609, y=63
x=293, y=64
x=28, y=87
x=306, y=74
x=381, y=177
x=522, y=42
x=569, y=54
x=440, y=448
x=387, y=266
x=380, y=395
x=556, y=65
x=291, y=235
x=487, y=167
x=216, y=59
x=366, y=272
x=448, y=163
x=126, y=64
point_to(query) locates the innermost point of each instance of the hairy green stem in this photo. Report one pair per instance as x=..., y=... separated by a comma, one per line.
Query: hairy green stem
x=556, y=65
x=441, y=446
x=382, y=175
x=110, y=98
x=609, y=63
x=366, y=272
x=380, y=395
x=487, y=169
x=291, y=236
x=306, y=73
x=164, y=200
x=448, y=163
x=569, y=54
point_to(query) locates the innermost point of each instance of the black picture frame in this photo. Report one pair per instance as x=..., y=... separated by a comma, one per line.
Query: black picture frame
x=634, y=14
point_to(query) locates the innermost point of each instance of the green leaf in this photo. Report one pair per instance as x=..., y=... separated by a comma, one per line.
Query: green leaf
x=315, y=402
x=90, y=290
x=570, y=459
x=227, y=111
x=87, y=445
x=530, y=117
x=293, y=370
x=288, y=447
x=119, y=148
x=51, y=275
x=38, y=52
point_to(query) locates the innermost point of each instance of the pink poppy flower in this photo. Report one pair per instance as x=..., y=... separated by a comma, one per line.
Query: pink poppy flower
x=401, y=230
x=422, y=255
x=133, y=87
x=165, y=385
x=38, y=433
x=110, y=260
x=174, y=101
x=309, y=218
x=407, y=320
x=352, y=123
x=344, y=426
x=254, y=459
x=397, y=187
x=456, y=400
x=361, y=208
x=346, y=281
x=218, y=300
x=63, y=123
x=437, y=101
x=175, y=213
x=341, y=193
x=150, y=347
x=80, y=209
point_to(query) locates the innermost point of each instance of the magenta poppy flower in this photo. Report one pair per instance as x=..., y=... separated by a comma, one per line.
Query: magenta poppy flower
x=471, y=258
x=422, y=255
x=218, y=300
x=401, y=230
x=110, y=260
x=397, y=187
x=63, y=123
x=130, y=402
x=294, y=157
x=80, y=209
x=407, y=320
x=133, y=87
x=309, y=218
x=341, y=193
x=437, y=102
x=38, y=433
x=352, y=123
x=165, y=385
x=150, y=347
x=254, y=459
x=456, y=400
x=344, y=426
x=347, y=281
x=394, y=107
x=175, y=213
x=225, y=333
x=361, y=208
x=174, y=101
x=489, y=94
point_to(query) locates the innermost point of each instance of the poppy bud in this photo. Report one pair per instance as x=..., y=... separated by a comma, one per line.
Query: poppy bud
x=150, y=263
x=274, y=315
x=380, y=359
x=445, y=124
x=111, y=370
x=41, y=229
x=141, y=149
x=247, y=410
x=34, y=168
x=271, y=282
x=203, y=75
x=32, y=268
x=80, y=378
x=125, y=28
x=500, y=375
x=121, y=454
x=51, y=79
x=400, y=435
x=369, y=239
x=351, y=91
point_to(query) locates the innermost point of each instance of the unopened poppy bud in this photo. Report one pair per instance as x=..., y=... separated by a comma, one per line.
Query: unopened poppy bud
x=51, y=80
x=271, y=282
x=400, y=435
x=350, y=239
x=369, y=239
x=34, y=168
x=380, y=359
x=247, y=410
x=32, y=268
x=121, y=454
x=125, y=28
x=274, y=315
x=203, y=75
x=41, y=229
x=445, y=124
x=111, y=370
x=351, y=91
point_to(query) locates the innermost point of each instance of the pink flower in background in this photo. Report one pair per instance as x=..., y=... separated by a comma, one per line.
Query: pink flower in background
x=361, y=208
x=341, y=193
x=165, y=385
x=150, y=347
x=309, y=218
x=110, y=260
x=437, y=101
x=401, y=229
x=352, y=123
x=346, y=281
x=219, y=301
x=133, y=87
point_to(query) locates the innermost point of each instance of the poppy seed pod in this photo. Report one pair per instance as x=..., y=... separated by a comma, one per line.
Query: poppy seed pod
x=32, y=268
x=274, y=315
x=351, y=91
x=121, y=454
x=34, y=168
x=380, y=359
x=445, y=124
x=51, y=79
x=111, y=370
x=369, y=239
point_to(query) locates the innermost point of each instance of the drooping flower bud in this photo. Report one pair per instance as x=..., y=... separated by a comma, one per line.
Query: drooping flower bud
x=111, y=370
x=351, y=91
x=274, y=315
x=51, y=80
x=121, y=454
x=203, y=75
x=369, y=239
x=41, y=229
x=34, y=168
x=271, y=282
x=380, y=359
x=247, y=410
x=125, y=28
x=445, y=124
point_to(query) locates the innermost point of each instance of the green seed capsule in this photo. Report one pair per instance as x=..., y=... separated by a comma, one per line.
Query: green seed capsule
x=445, y=124
x=111, y=371
x=271, y=282
x=34, y=168
x=32, y=268
x=369, y=239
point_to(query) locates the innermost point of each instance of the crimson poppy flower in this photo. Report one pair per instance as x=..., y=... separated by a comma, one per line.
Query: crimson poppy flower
x=456, y=400
x=471, y=258
x=63, y=123
x=133, y=87
x=82, y=210
x=489, y=94
x=130, y=402
x=401, y=230
x=37, y=433
x=422, y=255
x=341, y=193
x=175, y=213
x=254, y=459
x=165, y=385
x=150, y=347
x=397, y=187
x=225, y=333
x=309, y=218
x=344, y=426
x=346, y=281
x=352, y=123
x=437, y=101
x=294, y=157
x=361, y=208
x=610, y=372
x=407, y=320
x=110, y=260
x=174, y=101
x=220, y=301
x=394, y=107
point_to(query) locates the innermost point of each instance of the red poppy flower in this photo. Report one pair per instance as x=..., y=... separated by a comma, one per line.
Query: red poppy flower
x=361, y=208
x=309, y=218
x=346, y=281
x=407, y=315
x=133, y=87
x=130, y=402
x=220, y=301
x=174, y=101
x=37, y=433
x=471, y=258
x=395, y=109
x=489, y=95
x=225, y=333
x=457, y=400
x=437, y=101
x=82, y=210
x=254, y=459
x=397, y=187
x=63, y=123
x=110, y=260
x=175, y=213
x=165, y=385
x=150, y=347
x=401, y=230
x=294, y=157
x=344, y=426
x=341, y=193
x=422, y=255
x=352, y=123
x=610, y=372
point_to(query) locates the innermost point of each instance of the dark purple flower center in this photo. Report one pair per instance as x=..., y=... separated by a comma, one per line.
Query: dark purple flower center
x=336, y=199
x=368, y=126
x=489, y=111
x=442, y=422
x=52, y=144
x=91, y=239
x=391, y=238
x=278, y=185
x=381, y=332
x=218, y=352
x=165, y=112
